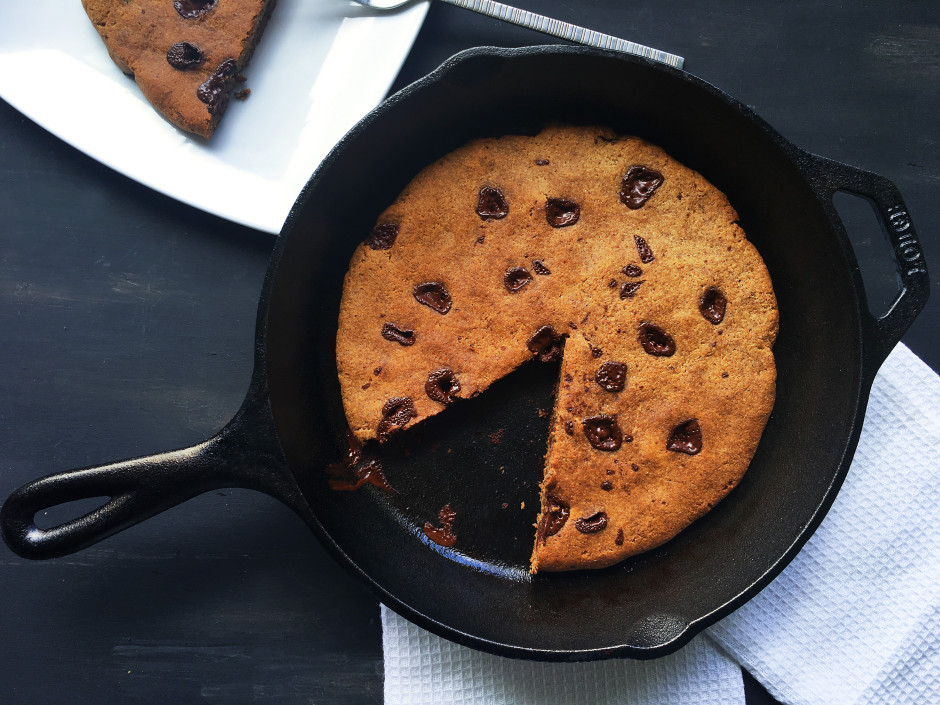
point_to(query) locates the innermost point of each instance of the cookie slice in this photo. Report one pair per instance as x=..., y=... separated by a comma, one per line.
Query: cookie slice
x=185, y=55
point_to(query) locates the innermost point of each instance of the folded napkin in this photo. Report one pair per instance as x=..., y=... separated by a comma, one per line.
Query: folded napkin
x=855, y=618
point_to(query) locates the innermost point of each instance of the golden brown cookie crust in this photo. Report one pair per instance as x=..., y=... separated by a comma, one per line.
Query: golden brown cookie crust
x=593, y=287
x=139, y=33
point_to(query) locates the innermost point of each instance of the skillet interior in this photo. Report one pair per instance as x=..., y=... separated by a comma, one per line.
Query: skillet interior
x=484, y=597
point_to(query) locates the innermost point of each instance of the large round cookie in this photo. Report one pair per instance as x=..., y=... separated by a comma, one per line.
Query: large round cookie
x=598, y=249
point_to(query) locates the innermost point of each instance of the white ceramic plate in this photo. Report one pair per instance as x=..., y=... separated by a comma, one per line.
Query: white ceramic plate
x=320, y=66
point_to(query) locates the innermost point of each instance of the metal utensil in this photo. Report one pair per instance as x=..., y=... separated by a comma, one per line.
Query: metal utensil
x=546, y=25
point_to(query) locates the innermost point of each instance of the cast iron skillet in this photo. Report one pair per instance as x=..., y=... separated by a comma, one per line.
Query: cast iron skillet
x=480, y=594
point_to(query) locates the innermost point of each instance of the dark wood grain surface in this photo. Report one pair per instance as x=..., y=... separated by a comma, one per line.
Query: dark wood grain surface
x=127, y=324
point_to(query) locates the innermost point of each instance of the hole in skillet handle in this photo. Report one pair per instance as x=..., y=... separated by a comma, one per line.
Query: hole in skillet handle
x=865, y=230
x=886, y=330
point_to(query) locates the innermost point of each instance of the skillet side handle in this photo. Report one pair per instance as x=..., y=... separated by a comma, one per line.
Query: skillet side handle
x=897, y=225
x=243, y=454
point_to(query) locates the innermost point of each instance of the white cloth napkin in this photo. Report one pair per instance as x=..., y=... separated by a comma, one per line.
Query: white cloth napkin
x=855, y=618
x=423, y=669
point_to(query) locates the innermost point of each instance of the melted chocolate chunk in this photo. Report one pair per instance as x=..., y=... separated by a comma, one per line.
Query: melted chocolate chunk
x=569, y=427
x=184, y=55
x=629, y=289
x=546, y=343
x=443, y=535
x=603, y=432
x=592, y=524
x=213, y=90
x=554, y=515
x=619, y=539
x=369, y=472
x=442, y=385
x=562, y=212
x=607, y=485
x=646, y=254
x=383, y=236
x=434, y=295
x=349, y=474
x=631, y=270
x=397, y=412
x=638, y=185
x=492, y=205
x=713, y=306
x=541, y=162
x=540, y=268
x=191, y=9
x=611, y=376
x=686, y=438
x=656, y=341
x=596, y=352
x=402, y=336
x=516, y=278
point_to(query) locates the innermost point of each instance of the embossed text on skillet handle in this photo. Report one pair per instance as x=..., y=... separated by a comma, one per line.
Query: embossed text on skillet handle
x=831, y=176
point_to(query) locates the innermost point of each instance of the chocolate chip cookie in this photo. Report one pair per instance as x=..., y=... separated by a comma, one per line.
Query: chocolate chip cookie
x=185, y=55
x=603, y=252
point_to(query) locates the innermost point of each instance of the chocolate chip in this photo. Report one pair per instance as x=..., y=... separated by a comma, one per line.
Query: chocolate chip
x=191, y=9
x=656, y=341
x=540, y=268
x=638, y=185
x=713, y=306
x=398, y=335
x=592, y=524
x=546, y=343
x=382, y=236
x=646, y=254
x=213, y=90
x=612, y=283
x=596, y=352
x=635, y=467
x=603, y=432
x=629, y=289
x=569, y=427
x=562, y=212
x=184, y=55
x=631, y=270
x=442, y=385
x=607, y=485
x=397, y=412
x=541, y=162
x=492, y=205
x=516, y=278
x=611, y=376
x=686, y=438
x=554, y=515
x=443, y=535
x=434, y=295
x=619, y=539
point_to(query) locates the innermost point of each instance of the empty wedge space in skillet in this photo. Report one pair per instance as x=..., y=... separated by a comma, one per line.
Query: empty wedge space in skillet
x=598, y=250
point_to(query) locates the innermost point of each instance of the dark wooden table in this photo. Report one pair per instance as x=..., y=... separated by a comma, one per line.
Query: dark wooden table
x=127, y=323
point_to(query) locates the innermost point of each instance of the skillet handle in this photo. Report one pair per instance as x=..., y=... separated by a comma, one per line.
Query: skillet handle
x=243, y=454
x=887, y=330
